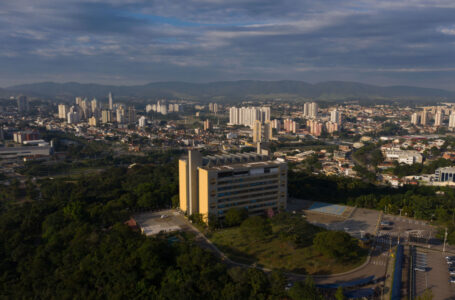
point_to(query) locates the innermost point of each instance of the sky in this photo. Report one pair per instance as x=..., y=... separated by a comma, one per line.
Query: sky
x=126, y=42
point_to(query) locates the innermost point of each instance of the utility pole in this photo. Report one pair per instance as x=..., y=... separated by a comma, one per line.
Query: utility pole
x=445, y=240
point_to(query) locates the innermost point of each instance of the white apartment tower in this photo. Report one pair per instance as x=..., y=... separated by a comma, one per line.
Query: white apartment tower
x=438, y=117
x=111, y=101
x=310, y=110
x=335, y=116
x=62, y=111
x=415, y=118
x=452, y=120
x=248, y=115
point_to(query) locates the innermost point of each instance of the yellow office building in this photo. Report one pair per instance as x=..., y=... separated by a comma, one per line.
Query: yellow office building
x=211, y=185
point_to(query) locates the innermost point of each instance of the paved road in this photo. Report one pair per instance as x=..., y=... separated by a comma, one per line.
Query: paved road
x=376, y=263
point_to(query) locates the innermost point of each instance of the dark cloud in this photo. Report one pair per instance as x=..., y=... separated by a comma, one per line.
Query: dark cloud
x=137, y=41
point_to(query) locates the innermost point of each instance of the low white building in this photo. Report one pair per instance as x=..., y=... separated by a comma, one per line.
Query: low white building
x=408, y=157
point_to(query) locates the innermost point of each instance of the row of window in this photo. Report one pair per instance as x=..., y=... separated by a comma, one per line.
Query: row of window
x=247, y=179
x=225, y=207
x=262, y=188
x=239, y=186
x=250, y=196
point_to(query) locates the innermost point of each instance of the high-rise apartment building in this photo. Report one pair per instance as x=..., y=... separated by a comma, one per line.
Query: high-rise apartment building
x=111, y=101
x=94, y=105
x=424, y=118
x=132, y=117
x=335, y=116
x=290, y=125
x=248, y=115
x=120, y=114
x=106, y=116
x=92, y=121
x=22, y=104
x=415, y=118
x=452, y=120
x=78, y=101
x=142, y=121
x=276, y=124
x=213, y=107
x=212, y=185
x=438, y=117
x=262, y=132
x=315, y=127
x=162, y=109
x=207, y=125
x=86, y=108
x=72, y=117
x=331, y=127
x=310, y=110
x=62, y=111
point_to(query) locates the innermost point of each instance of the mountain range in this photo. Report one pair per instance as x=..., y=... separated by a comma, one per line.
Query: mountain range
x=233, y=90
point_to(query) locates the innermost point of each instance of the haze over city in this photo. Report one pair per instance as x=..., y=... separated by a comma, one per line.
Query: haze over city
x=136, y=41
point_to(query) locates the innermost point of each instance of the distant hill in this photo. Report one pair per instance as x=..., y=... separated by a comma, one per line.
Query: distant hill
x=235, y=90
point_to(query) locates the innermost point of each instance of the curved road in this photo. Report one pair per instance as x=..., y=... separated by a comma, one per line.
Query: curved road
x=375, y=264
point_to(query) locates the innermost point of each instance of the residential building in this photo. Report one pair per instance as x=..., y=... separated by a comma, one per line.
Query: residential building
x=248, y=115
x=415, y=118
x=262, y=132
x=452, y=120
x=22, y=104
x=290, y=126
x=22, y=136
x=276, y=124
x=142, y=121
x=438, y=117
x=106, y=116
x=207, y=125
x=92, y=121
x=132, y=117
x=94, y=105
x=310, y=110
x=335, y=116
x=111, y=101
x=424, y=118
x=62, y=111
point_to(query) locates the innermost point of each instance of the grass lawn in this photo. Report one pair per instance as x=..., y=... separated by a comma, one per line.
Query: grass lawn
x=277, y=254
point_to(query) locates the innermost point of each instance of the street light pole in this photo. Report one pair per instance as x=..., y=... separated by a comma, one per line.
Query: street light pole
x=445, y=240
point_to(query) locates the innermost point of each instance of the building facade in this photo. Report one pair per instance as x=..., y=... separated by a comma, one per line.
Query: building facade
x=212, y=185
x=446, y=174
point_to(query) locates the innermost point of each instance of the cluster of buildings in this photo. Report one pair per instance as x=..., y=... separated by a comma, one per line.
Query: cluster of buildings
x=247, y=116
x=162, y=108
x=93, y=112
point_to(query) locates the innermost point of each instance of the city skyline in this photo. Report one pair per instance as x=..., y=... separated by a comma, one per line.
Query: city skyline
x=135, y=42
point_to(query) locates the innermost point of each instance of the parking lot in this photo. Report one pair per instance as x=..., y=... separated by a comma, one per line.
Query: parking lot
x=355, y=221
x=436, y=276
x=411, y=230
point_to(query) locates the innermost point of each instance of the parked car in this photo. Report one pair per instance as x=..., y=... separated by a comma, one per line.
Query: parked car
x=452, y=279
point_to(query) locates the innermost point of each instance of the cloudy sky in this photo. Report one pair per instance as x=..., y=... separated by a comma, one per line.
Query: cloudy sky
x=137, y=41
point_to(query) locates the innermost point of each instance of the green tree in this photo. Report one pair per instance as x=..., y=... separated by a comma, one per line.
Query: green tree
x=336, y=244
x=235, y=216
x=255, y=228
x=305, y=290
x=339, y=295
